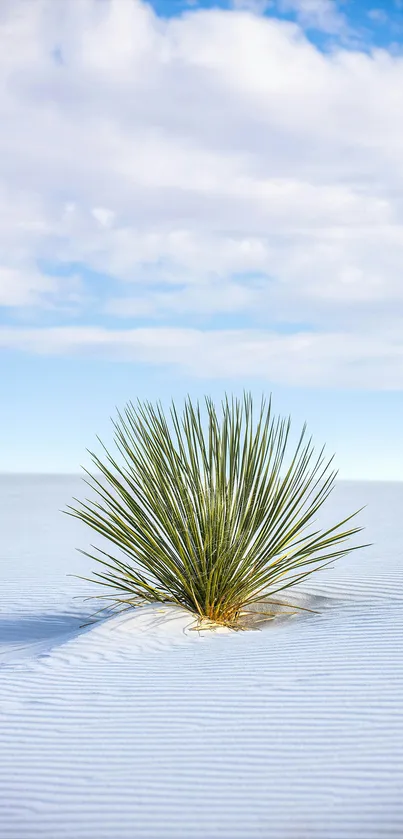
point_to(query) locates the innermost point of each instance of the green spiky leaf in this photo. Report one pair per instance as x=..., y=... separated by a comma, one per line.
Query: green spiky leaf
x=209, y=512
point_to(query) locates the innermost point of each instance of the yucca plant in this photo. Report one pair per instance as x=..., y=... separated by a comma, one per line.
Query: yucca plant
x=209, y=512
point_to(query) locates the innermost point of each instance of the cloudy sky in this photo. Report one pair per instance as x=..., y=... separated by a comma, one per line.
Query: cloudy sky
x=201, y=198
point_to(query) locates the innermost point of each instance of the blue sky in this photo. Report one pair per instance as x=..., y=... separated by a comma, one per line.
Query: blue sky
x=201, y=198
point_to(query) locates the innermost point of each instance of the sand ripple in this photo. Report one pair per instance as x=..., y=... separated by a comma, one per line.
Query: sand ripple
x=139, y=727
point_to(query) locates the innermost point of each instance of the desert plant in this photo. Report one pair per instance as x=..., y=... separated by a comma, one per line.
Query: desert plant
x=209, y=512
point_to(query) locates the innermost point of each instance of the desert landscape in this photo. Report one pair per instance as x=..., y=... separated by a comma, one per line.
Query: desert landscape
x=139, y=726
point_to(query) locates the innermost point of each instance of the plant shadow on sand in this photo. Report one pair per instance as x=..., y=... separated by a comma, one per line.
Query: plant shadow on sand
x=25, y=635
x=160, y=618
x=31, y=636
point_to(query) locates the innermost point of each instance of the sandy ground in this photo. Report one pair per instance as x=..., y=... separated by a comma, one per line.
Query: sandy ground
x=140, y=727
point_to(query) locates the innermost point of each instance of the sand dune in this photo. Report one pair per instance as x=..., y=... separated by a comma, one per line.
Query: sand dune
x=140, y=727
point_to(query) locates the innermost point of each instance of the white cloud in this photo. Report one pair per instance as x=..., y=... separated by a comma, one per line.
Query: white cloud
x=103, y=216
x=19, y=288
x=180, y=156
x=322, y=15
x=258, y=7
x=306, y=359
x=378, y=15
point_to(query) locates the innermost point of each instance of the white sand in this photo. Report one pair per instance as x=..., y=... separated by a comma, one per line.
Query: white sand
x=139, y=728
